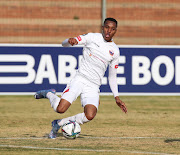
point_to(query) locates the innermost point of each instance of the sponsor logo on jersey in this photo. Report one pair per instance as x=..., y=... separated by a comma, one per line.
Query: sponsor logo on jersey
x=79, y=38
x=116, y=66
x=111, y=52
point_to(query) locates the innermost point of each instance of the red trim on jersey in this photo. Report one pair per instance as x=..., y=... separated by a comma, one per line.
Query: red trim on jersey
x=79, y=38
x=116, y=66
x=66, y=91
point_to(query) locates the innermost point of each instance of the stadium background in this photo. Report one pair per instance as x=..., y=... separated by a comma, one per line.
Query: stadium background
x=149, y=22
x=151, y=125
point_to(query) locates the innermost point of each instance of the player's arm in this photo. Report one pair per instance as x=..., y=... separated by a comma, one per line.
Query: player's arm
x=114, y=88
x=69, y=42
x=80, y=40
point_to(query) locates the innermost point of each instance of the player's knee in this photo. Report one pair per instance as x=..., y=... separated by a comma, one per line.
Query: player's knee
x=90, y=111
x=63, y=106
x=61, y=110
x=90, y=116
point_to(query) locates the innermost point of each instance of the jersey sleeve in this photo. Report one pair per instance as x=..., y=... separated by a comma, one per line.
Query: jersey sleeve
x=113, y=81
x=84, y=39
x=114, y=63
x=65, y=43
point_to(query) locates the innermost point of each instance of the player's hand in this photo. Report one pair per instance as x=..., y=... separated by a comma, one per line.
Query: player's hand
x=73, y=41
x=121, y=104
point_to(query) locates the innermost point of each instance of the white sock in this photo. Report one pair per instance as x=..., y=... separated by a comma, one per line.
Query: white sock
x=54, y=100
x=79, y=118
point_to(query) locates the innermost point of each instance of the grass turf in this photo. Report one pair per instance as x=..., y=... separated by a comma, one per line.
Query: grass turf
x=150, y=126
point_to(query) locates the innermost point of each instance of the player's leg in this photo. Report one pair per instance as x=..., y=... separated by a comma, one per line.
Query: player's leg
x=69, y=95
x=90, y=111
x=59, y=105
x=63, y=106
x=50, y=94
x=60, y=108
x=67, y=98
x=81, y=118
x=90, y=102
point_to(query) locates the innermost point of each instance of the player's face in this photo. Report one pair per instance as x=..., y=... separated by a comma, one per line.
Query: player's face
x=109, y=29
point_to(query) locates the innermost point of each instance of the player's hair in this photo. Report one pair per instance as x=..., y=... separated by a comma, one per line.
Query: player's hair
x=111, y=19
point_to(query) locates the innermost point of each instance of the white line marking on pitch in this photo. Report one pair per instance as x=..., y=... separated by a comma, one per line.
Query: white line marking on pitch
x=88, y=150
x=23, y=138
x=127, y=137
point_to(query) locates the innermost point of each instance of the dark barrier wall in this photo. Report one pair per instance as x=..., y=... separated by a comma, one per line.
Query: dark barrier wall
x=24, y=69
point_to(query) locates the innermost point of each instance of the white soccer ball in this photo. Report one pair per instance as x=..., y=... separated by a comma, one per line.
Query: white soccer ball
x=71, y=129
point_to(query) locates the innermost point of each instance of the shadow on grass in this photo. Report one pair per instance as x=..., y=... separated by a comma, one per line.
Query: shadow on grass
x=61, y=135
x=171, y=140
x=80, y=136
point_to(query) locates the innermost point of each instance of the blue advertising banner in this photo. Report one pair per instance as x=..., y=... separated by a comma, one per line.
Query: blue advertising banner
x=143, y=70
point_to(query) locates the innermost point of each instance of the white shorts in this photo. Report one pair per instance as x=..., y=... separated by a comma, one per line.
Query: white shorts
x=80, y=86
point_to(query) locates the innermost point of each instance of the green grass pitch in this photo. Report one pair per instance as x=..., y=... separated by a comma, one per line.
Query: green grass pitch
x=151, y=126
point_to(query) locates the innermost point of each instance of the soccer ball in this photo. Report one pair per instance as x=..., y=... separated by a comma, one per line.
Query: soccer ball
x=71, y=129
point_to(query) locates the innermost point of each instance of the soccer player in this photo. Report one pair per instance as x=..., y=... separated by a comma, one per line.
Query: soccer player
x=99, y=51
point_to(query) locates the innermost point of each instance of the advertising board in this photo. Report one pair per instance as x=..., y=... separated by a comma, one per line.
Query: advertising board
x=142, y=70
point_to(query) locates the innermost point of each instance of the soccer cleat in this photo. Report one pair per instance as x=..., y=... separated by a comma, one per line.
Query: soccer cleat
x=55, y=129
x=42, y=93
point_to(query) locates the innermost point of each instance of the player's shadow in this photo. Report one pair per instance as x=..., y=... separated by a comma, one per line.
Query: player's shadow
x=58, y=135
x=80, y=136
x=61, y=135
x=171, y=140
x=84, y=136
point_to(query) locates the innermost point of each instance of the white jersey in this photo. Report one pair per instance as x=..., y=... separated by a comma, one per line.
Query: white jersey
x=97, y=55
